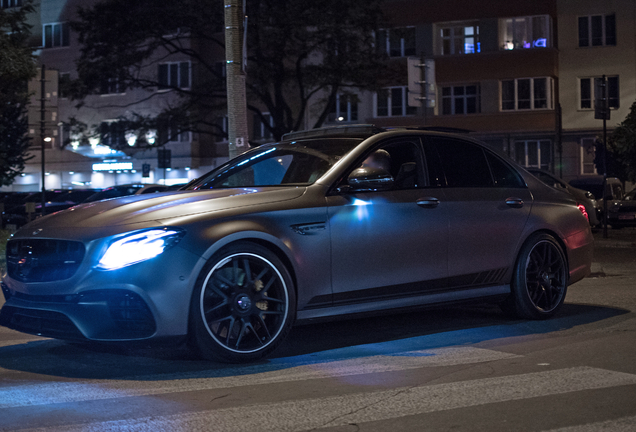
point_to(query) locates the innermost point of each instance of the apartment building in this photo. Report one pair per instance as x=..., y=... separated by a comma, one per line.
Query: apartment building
x=72, y=162
x=596, y=38
x=518, y=75
x=491, y=69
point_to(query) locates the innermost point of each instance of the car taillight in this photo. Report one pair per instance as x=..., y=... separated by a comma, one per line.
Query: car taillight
x=582, y=208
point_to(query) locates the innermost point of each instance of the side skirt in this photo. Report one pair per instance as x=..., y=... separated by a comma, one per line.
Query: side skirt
x=431, y=299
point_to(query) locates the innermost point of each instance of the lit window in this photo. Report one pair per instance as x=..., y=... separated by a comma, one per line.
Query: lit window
x=174, y=75
x=460, y=99
x=397, y=42
x=393, y=102
x=55, y=35
x=459, y=39
x=597, y=30
x=588, y=94
x=526, y=94
x=525, y=32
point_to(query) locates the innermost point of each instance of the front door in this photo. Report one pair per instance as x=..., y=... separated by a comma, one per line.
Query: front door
x=390, y=244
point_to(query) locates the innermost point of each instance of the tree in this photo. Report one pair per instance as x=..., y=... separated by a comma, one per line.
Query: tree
x=17, y=66
x=301, y=50
x=300, y=55
x=621, y=146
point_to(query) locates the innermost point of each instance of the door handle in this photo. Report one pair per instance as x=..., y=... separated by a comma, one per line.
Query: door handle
x=428, y=202
x=514, y=202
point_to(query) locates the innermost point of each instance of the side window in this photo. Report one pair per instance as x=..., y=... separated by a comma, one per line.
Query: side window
x=504, y=175
x=464, y=164
x=402, y=160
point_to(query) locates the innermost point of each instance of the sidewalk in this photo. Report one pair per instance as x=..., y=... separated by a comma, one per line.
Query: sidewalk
x=617, y=238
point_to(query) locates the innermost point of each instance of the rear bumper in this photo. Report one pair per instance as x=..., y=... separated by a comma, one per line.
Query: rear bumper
x=580, y=250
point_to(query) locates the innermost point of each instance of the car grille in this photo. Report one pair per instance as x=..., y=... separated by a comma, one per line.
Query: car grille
x=43, y=260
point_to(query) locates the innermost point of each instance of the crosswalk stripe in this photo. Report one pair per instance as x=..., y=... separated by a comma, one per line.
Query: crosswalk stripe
x=372, y=406
x=624, y=424
x=18, y=342
x=277, y=371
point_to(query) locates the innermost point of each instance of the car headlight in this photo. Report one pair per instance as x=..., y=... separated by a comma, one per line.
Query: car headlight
x=137, y=247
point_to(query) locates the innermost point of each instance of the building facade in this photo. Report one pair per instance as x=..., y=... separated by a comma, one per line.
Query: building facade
x=518, y=75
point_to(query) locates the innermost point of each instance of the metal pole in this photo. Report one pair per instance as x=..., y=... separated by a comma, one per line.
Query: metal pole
x=423, y=87
x=605, y=112
x=560, y=139
x=42, y=134
x=235, y=77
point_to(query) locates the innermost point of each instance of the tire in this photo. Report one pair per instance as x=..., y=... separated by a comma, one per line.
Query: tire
x=539, y=281
x=243, y=306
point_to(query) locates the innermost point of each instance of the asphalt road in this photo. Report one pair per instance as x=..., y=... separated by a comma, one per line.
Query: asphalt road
x=459, y=369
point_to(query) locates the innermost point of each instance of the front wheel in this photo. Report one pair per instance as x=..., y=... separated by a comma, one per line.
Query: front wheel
x=540, y=279
x=243, y=306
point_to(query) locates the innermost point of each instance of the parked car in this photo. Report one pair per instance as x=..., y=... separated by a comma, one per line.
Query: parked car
x=125, y=190
x=295, y=231
x=582, y=197
x=594, y=184
x=55, y=200
x=622, y=213
x=9, y=201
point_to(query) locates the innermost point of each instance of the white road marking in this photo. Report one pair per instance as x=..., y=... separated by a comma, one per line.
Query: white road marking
x=625, y=424
x=278, y=371
x=372, y=406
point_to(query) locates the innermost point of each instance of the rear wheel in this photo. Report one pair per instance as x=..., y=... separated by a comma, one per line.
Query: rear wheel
x=539, y=282
x=243, y=306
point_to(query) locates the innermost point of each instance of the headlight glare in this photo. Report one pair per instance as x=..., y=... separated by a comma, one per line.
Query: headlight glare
x=137, y=247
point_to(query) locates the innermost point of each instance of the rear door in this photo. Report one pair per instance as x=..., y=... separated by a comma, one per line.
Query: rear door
x=488, y=206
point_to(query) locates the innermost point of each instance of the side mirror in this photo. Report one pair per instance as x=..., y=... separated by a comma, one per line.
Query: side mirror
x=367, y=178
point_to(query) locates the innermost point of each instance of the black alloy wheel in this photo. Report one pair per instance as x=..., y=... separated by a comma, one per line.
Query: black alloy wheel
x=540, y=279
x=243, y=306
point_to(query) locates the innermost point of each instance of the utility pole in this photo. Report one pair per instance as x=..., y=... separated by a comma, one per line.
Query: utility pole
x=235, y=77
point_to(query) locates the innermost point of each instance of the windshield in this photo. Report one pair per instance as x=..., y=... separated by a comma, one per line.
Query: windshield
x=297, y=163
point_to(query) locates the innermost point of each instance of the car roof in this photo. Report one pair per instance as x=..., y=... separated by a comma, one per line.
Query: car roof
x=362, y=131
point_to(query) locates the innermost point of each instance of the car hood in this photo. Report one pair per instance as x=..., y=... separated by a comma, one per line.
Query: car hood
x=137, y=209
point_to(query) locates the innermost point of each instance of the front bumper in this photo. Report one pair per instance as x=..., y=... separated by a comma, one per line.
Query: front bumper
x=147, y=300
x=93, y=315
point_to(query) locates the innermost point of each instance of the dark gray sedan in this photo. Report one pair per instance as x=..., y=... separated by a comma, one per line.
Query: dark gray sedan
x=326, y=223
